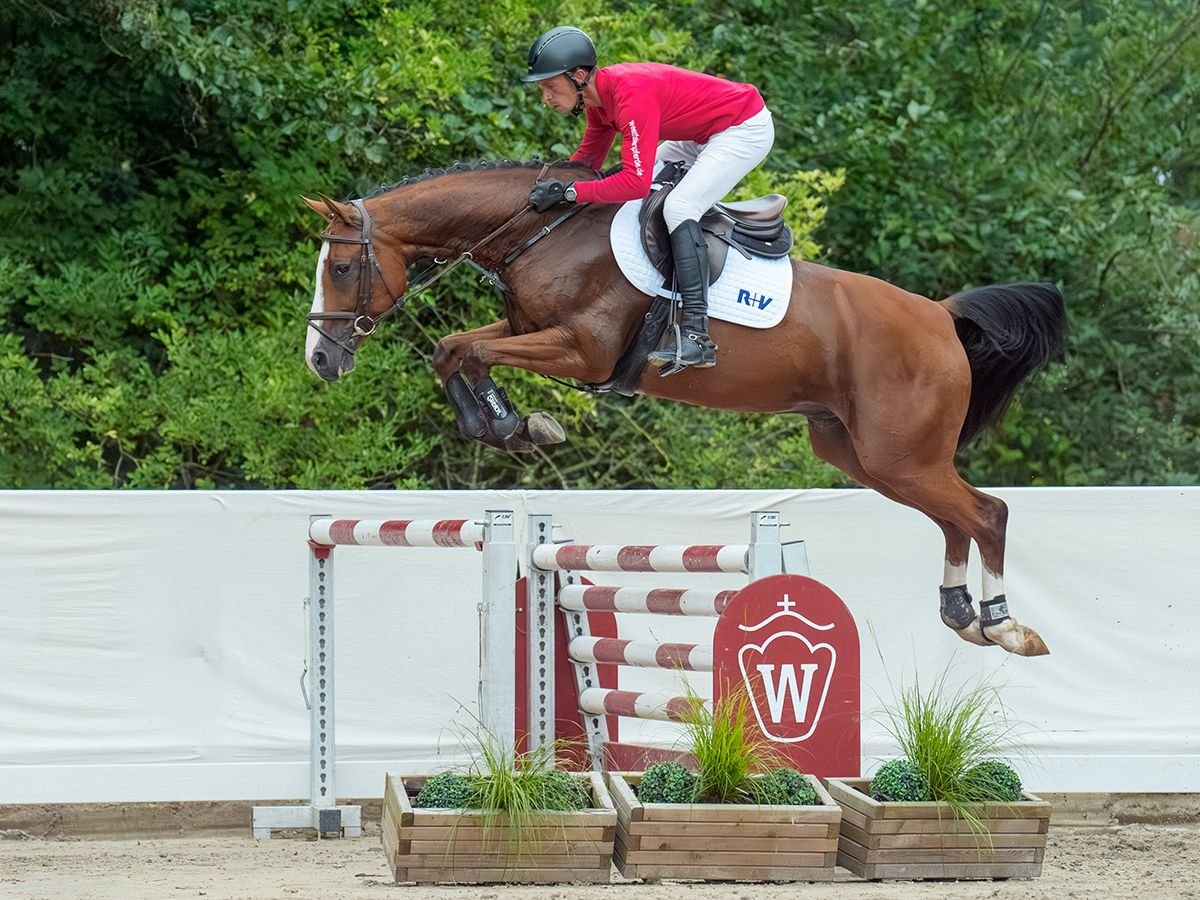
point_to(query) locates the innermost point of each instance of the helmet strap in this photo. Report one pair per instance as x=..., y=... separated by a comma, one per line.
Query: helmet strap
x=579, y=86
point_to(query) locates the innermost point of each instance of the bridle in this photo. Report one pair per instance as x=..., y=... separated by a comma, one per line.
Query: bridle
x=364, y=323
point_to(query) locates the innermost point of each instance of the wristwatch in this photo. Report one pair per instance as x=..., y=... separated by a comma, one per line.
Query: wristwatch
x=569, y=193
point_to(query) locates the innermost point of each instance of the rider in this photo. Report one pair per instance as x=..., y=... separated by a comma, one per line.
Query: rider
x=721, y=128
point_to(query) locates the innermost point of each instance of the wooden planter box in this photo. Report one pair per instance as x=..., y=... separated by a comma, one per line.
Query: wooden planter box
x=440, y=846
x=723, y=842
x=925, y=840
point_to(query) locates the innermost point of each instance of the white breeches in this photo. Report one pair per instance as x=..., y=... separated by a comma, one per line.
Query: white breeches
x=715, y=167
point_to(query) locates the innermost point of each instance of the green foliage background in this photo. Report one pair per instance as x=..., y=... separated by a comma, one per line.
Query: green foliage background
x=156, y=264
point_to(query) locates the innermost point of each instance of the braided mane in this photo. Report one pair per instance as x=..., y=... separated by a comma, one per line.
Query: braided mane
x=457, y=168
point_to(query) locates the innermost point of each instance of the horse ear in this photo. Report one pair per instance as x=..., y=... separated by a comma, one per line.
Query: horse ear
x=315, y=206
x=332, y=206
x=328, y=208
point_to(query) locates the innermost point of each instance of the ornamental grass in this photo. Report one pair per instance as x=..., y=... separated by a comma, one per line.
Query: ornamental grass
x=956, y=739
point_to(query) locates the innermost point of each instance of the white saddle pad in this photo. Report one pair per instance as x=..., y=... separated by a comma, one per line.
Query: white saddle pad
x=753, y=292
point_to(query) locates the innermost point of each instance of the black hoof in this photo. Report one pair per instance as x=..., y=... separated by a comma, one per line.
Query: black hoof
x=518, y=444
x=537, y=430
x=541, y=428
x=957, y=609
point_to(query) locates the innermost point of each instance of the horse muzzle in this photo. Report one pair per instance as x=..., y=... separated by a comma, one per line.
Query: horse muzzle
x=330, y=362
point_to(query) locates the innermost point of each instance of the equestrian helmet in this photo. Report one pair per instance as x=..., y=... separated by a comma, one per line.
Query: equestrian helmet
x=560, y=50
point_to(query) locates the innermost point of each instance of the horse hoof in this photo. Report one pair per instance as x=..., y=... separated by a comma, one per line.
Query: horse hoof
x=517, y=444
x=1034, y=645
x=540, y=428
x=1016, y=638
x=536, y=430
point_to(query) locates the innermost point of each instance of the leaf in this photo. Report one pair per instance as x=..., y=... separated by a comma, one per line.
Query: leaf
x=916, y=110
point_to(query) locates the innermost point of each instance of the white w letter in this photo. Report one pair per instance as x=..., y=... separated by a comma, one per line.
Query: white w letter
x=787, y=683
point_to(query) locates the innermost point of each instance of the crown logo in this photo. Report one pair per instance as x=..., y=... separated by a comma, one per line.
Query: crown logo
x=787, y=675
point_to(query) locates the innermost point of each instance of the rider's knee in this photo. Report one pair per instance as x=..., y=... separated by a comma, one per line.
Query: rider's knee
x=677, y=210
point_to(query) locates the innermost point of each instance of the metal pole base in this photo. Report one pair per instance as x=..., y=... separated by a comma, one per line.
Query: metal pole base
x=342, y=821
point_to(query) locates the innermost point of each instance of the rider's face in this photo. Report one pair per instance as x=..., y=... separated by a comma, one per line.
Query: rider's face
x=558, y=93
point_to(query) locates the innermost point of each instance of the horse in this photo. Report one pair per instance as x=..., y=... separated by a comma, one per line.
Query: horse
x=892, y=383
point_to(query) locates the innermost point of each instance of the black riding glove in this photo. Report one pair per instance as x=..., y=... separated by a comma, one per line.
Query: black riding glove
x=550, y=192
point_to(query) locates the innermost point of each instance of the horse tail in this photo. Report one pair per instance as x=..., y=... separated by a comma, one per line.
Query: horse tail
x=1009, y=332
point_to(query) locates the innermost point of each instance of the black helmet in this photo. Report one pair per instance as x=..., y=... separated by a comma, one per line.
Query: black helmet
x=559, y=50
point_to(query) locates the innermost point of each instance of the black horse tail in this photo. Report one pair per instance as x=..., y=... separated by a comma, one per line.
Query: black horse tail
x=1009, y=332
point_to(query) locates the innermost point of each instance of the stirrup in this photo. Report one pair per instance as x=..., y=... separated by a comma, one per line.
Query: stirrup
x=705, y=354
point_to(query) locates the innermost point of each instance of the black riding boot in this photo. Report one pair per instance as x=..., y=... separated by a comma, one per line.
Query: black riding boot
x=689, y=344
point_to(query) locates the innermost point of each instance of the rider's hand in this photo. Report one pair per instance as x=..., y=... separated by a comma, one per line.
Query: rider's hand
x=550, y=192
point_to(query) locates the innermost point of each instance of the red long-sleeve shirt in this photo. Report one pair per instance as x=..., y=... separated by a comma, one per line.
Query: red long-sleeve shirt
x=650, y=102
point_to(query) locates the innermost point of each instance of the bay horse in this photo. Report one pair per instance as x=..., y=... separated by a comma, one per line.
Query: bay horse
x=892, y=383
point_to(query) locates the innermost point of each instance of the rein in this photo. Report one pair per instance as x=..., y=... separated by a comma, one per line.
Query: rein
x=365, y=324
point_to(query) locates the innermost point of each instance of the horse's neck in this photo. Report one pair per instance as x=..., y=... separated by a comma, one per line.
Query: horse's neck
x=451, y=215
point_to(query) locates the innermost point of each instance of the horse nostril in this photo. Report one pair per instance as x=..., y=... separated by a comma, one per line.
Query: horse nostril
x=319, y=359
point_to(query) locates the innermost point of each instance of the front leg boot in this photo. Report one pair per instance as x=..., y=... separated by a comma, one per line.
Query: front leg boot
x=503, y=420
x=471, y=423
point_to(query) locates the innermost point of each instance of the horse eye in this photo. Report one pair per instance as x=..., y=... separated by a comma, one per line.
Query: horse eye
x=341, y=269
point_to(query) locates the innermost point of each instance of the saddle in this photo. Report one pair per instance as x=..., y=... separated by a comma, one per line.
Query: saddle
x=752, y=227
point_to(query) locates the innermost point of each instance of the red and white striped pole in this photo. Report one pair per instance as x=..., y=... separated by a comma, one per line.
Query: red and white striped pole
x=655, y=601
x=647, y=558
x=645, y=654
x=330, y=532
x=647, y=705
